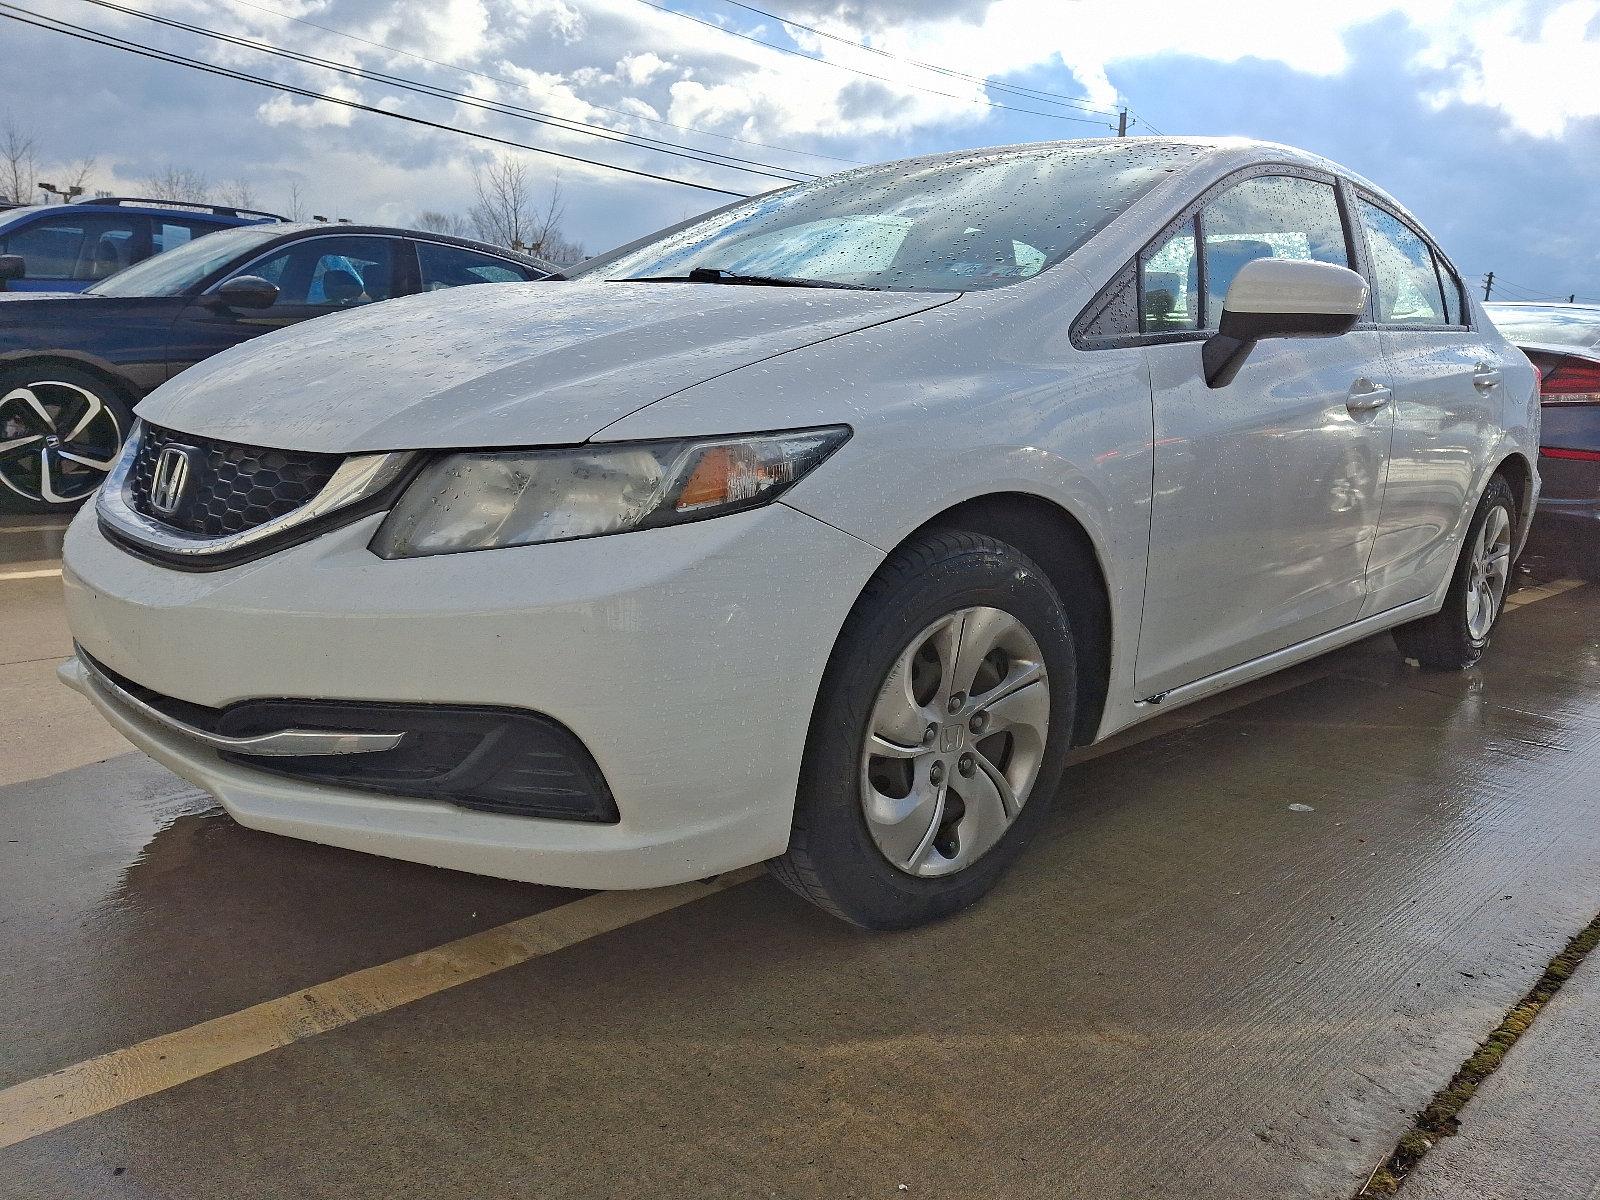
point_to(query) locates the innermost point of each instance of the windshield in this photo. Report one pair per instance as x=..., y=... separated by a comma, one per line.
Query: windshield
x=178, y=270
x=1548, y=326
x=976, y=220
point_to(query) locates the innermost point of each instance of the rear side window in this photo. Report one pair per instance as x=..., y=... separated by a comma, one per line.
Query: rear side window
x=168, y=233
x=79, y=246
x=1406, y=276
x=455, y=266
x=1268, y=216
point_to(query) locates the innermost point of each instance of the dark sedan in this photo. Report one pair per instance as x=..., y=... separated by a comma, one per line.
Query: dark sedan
x=1563, y=340
x=73, y=365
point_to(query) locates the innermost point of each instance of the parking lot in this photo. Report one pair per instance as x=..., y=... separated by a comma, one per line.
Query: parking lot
x=1258, y=935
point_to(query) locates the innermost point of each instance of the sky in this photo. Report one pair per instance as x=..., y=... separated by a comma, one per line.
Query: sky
x=1482, y=117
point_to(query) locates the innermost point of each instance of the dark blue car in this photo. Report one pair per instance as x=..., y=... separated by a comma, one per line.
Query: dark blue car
x=73, y=364
x=66, y=247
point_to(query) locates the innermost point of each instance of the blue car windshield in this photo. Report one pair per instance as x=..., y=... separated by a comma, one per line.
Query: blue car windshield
x=177, y=271
x=980, y=219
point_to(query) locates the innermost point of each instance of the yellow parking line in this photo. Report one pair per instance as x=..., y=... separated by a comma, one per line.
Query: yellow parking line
x=111, y=1080
x=46, y=528
x=43, y=574
x=1543, y=591
x=114, y=1079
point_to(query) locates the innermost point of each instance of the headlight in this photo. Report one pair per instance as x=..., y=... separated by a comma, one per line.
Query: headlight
x=479, y=500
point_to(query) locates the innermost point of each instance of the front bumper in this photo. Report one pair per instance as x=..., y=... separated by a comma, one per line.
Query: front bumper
x=685, y=659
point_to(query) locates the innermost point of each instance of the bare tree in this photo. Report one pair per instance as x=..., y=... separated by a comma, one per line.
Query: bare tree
x=507, y=212
x=19, y=163
x=503, y=209
x=237, y=193
x=453, y=224
x=297, y=210
x=177, y=183
x=78, y=175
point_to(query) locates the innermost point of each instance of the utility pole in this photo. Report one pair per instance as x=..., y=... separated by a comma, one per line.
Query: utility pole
x=1122, y=123
x=1488, y=283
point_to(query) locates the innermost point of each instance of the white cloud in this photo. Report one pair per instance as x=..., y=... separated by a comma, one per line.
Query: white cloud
x=1543, y=78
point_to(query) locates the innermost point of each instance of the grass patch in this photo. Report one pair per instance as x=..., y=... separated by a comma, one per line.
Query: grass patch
x=1441, y=1118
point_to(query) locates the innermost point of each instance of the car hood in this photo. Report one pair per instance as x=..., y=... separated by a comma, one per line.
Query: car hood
x=501, y=364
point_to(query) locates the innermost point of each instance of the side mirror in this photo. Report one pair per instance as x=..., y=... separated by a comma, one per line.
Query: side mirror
x=1281, y=297
x=11, y=267
x=245, y=291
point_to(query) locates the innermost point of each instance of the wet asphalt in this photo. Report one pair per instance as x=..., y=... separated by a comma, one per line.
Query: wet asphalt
x=1186, y=988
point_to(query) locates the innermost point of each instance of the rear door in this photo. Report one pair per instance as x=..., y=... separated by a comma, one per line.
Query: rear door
x=1448, y=401
x=316, y=275
x=1266, y=491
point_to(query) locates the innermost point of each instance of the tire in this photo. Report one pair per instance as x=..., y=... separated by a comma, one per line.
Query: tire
x=1001, y=744
x=54, y=422
x=1454, y=638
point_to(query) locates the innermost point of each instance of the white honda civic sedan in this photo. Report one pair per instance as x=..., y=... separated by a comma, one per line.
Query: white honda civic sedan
x=815, y=530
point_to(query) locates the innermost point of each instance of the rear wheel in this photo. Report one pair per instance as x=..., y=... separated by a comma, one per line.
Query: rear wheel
x=1454, y=638
x=939, y=737
x=60, y=431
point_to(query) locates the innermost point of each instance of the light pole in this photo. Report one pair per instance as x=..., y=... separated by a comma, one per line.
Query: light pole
x=67, y=194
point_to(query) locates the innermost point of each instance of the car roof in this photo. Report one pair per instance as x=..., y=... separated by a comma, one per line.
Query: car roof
x=295, y=229
x=221, y=214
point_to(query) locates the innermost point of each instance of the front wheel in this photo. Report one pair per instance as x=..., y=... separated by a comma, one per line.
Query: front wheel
x=1454, y=638
x=939, y=736
x=60, y=431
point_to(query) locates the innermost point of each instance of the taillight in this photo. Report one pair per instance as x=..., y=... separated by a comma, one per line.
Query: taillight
x=1564, y=380
x=1580, y=455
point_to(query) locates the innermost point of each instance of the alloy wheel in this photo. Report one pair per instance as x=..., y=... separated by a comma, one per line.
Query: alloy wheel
x=58, y=441
x=1488, y=572
x=955, y=741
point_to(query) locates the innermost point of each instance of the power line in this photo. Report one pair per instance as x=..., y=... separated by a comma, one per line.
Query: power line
x=1082, y=102
x=96, y=37
x=672, y=12
x=565, y=124
x=524, y=87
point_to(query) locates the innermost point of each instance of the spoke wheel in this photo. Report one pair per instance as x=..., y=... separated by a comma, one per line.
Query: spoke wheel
x=955, y=741
x=1488, y=572
x=1454, y=638
x=58, y=441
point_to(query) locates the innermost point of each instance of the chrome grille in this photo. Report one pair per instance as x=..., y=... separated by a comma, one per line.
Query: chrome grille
x=231, y=486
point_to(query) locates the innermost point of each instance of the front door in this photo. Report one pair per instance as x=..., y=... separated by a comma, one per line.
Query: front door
x=318, y=275
x=1267, y=491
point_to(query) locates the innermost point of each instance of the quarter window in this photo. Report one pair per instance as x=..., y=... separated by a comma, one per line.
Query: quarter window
x=1169, y=290
x=1405, y=274
x=1268, y=216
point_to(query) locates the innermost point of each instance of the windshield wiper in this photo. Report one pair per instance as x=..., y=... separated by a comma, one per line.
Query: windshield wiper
x=718, y=275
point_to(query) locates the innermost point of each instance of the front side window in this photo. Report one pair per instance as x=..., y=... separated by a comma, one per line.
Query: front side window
x=78, y=246
x=330, y=272
x=455, y=266
x=1268, y=216
x=1405, y=276
x=978, y=220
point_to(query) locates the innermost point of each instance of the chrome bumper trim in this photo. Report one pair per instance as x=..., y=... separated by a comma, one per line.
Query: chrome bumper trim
x=82, y=677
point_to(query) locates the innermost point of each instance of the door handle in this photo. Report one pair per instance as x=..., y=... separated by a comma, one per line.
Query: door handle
x=1366, y=396
x=1485, y=377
